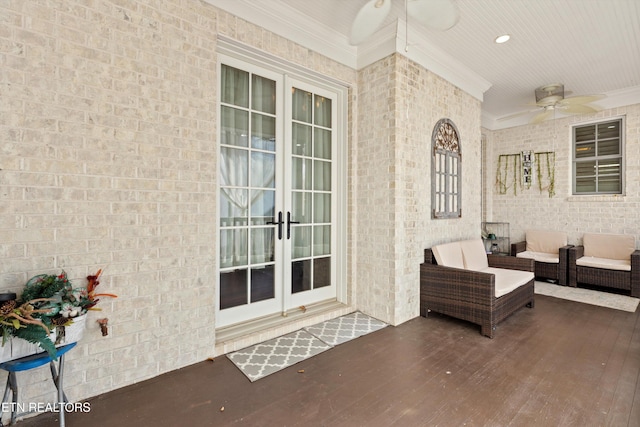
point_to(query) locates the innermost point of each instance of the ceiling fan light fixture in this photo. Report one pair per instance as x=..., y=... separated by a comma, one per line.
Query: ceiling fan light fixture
x=435, y=14
x=502, y=39
x=368, y=19
x=549, y=94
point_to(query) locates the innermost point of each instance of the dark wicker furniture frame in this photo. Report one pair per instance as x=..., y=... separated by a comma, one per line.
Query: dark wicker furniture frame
x=546, y=270
x=616, y=279
x=470, y=295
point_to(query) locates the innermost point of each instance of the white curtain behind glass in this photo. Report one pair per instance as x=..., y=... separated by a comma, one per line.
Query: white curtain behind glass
x=235, y=164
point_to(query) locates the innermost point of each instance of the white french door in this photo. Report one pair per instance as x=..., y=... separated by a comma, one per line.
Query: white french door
x=277, y=193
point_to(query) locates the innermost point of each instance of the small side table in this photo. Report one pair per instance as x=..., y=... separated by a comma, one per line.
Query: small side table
x=31, y=362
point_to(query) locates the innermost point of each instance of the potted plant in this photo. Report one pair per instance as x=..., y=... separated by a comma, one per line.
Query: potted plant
x=52, y=304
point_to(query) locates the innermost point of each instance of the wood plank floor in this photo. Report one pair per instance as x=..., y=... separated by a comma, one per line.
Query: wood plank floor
x=560, y=364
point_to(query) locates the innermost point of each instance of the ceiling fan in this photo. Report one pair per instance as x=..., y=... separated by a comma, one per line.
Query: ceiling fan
x=436, y=14
x=550, y=98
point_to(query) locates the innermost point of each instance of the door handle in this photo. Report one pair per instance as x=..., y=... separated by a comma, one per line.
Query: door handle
x=279, y=223
x=289, y=222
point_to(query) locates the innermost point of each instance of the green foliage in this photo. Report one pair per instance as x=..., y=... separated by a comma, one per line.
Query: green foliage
x=36, y=334
x=45, y=286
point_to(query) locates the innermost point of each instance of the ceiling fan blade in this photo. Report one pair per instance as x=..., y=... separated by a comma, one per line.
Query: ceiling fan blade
x=513, y=116
x=579, y=100
x=578, y=109
x=542, y=116
x=585, y=99
x=368, y=19
x=436, y=14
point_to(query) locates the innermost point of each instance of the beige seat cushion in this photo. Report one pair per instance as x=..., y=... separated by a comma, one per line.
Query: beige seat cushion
x=474, y=255
x=611, y=246
x=545, y=241
x=449, y=255
x=607, y=263
x=549, y=258
x=507, y=280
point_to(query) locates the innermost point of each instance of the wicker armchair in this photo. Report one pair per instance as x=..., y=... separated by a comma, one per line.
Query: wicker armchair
x=470, y=295
x=549, y=250
x=598, y=249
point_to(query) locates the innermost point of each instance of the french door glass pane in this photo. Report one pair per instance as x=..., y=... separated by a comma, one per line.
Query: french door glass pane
x=233, y=288
x=234, y=126
x=263, y=97
x=300, y=242
x=235, y=86
x=262, y=245
x=263, y=132
x=263, y=204
x=322, y=144
x=322, y=178
x=322, y=240
x=262, y=283
x=300, y=276
x=321, y=207
x=234, y=168
x=263, y=169
x=301, y=174
x=323, y=111
x=321, y=272
x=301, y=205
x=301, y=135
x=233, y=247
x=301, y=105
x=232, y=212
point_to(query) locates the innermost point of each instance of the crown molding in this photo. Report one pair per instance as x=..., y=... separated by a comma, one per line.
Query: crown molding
x=430, y=56
x=280, y=19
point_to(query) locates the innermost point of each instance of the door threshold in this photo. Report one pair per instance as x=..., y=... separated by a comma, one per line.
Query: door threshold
x=233, y=332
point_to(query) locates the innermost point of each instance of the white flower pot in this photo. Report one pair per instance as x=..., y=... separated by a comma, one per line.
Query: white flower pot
x=73, y=332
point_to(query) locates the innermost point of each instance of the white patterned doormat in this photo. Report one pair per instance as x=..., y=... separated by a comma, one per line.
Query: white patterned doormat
x=273, y=355
x=588, y=296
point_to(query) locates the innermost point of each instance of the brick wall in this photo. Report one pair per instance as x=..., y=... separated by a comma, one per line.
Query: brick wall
x=108, y=161
x=531, y=208
x=399, y=103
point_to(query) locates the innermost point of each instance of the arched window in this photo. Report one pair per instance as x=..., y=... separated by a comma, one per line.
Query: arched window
x=446, y=171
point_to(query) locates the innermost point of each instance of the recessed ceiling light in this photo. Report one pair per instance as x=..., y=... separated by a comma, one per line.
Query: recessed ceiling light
x=502, y=39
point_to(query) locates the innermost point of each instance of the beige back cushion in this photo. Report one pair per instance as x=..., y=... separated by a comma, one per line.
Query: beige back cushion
x=612, y=246
x=449, y=255
x=474, y=254
x=547, y=242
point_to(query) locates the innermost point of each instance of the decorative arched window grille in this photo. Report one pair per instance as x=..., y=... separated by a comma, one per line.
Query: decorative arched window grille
x=446, y=171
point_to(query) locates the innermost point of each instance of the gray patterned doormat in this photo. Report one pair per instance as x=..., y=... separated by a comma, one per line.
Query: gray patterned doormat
x=273, y=355
x=345, y=328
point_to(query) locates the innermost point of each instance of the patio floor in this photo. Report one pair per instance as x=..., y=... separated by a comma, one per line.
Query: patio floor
x=561, y=363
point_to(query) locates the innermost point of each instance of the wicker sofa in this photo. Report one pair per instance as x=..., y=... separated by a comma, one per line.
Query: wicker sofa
x=460, y=280
x=549, y=250
x=606, y=260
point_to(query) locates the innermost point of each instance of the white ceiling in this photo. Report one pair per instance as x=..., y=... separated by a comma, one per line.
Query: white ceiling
x=592, y=46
